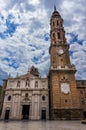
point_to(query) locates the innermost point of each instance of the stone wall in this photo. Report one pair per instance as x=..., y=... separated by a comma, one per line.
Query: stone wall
x=66, y=114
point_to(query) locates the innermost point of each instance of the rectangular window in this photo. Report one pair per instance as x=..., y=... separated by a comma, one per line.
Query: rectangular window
x=58, y=35
x=57, y=23
x=66, y=100
x=26, y=94
x=53, y=35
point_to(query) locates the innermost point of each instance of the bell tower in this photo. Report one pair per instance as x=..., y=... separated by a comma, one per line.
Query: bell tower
x=63, y=95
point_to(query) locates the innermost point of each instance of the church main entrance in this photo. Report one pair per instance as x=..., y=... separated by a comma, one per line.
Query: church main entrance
x=25, y=112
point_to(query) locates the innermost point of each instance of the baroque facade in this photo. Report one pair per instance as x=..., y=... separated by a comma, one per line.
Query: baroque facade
x=26, y=97
x=59, y=96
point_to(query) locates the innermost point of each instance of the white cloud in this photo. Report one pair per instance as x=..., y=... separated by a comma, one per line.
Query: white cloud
x=34, y=2
x=74, y=15
x=28, y=40
x=75, y=47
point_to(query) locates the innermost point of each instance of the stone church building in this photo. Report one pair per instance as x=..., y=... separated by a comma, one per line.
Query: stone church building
x=26, y=97
x=59, y=96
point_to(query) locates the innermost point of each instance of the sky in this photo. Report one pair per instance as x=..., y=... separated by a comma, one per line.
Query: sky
x=25, y=35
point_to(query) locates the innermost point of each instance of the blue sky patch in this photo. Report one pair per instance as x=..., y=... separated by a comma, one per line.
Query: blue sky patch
x=74, y=38
x=36, y=59
x=12, y=62
x=70, y=53
x=11, y=27
x=46, y=37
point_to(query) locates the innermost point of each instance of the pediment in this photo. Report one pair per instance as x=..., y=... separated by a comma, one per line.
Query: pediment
x=24, y=77
x=27, y=76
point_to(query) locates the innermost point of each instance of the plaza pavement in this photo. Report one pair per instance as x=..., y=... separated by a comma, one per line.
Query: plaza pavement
x=42, y=125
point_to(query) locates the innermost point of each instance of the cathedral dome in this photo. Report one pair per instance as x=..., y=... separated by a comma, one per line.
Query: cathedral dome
x=55, y=13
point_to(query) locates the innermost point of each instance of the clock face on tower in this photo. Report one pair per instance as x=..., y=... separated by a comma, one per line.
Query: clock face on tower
x=60, y=51
x=65, y=88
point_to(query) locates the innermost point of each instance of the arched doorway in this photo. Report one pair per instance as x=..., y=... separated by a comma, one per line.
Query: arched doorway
x=7, y=112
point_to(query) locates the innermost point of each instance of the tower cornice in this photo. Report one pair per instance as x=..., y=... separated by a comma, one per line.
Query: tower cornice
x=60, y=70
x=58, y=45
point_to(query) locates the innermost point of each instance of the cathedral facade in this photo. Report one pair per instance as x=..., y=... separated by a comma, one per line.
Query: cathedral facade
x=26, y=97
x=59, y=96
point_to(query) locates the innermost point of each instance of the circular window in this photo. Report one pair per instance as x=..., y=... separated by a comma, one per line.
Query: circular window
x=43, y=98
x=9, y=98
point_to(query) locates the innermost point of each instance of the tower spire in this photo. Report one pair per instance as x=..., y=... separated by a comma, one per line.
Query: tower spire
x=54, y=7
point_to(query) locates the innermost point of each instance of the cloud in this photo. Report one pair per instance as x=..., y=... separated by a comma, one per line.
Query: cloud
x=24, y=34
x=78, y=58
